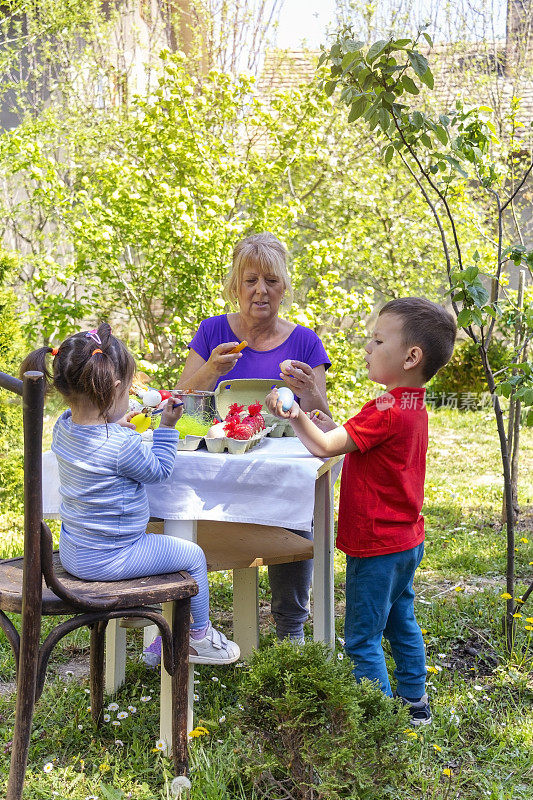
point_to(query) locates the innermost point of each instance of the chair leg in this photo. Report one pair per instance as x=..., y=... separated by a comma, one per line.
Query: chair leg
x=26, y=682
x=97, y=670
x=180, y=642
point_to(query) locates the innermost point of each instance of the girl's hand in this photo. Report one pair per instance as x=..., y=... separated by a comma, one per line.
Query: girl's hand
x=221, y=361
x=171, y=414
x=275, y=407
x=125, y=421
x=321, y=420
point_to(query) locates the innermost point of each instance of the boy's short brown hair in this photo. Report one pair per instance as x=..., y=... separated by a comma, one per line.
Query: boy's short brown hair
x=427, y=325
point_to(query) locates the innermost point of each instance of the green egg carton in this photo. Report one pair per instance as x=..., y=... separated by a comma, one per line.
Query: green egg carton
x=246, y=391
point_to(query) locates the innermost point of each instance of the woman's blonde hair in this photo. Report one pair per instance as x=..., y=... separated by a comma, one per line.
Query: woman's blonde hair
x=266, y=253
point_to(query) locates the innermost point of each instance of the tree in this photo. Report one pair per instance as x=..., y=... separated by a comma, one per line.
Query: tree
x=456, y=151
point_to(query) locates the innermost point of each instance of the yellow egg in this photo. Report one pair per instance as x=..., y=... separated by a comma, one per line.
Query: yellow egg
x=141, y=422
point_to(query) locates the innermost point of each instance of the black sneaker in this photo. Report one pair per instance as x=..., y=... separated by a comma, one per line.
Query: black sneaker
x=419, y=712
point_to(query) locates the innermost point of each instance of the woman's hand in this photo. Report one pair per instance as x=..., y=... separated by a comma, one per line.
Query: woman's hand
x=222, y=360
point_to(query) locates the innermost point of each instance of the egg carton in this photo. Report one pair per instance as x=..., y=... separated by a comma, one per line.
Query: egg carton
x=235, y=446
x=190, y=442
x=281, y=428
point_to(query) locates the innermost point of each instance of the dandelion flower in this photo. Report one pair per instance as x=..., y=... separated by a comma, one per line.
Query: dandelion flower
x=48, y=767
x=113, y=707
x=506, y=596
x=517, y=616
x=459, y=589
x=437, y=748
x=423, y=631
x=122, y=715
x=529, y=627
x=104, y=767
x=447, y=772
x=518, y=600
x=524, y=540
x=180, y=786
x=431, y=669
x=529, y=619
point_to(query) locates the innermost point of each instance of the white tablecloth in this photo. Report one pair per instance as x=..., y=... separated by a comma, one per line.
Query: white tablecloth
x=272, y=484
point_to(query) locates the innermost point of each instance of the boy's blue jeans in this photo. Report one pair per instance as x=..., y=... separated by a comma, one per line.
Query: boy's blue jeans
x=380, y=602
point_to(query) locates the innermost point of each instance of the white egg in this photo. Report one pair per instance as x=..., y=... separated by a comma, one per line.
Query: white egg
x=216, y=431
x=151, y=397
x=286, y=397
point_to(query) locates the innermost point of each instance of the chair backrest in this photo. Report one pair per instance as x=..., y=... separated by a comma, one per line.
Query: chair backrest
x=32, y=390
x=38, y=560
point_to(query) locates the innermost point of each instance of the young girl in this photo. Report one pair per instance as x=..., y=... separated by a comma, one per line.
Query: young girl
x=103, y=465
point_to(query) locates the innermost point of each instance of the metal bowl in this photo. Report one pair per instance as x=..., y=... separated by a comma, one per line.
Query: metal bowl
x=197, y=404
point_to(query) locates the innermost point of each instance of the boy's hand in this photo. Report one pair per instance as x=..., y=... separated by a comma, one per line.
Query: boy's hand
x=321, y=420
x=274, y=406
x=171, y=414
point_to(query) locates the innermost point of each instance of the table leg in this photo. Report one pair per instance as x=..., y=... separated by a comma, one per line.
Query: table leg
x=115, y=656
x=184, y=529
x=246, y=609
x=323, y=575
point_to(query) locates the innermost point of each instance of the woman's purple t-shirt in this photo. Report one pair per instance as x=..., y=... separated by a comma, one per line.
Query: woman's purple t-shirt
x=302, y=344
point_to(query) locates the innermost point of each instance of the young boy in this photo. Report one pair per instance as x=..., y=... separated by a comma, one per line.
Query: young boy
x=380, y=526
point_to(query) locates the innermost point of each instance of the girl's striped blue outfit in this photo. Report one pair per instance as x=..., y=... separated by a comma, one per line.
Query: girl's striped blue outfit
x=104, y=507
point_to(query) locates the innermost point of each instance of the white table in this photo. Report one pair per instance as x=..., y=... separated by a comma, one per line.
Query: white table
x=277, y=483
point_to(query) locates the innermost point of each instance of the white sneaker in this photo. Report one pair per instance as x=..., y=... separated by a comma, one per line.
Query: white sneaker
x=214, y=648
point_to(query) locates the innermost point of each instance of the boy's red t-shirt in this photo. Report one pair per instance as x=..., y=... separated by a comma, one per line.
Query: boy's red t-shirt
x=382, y=483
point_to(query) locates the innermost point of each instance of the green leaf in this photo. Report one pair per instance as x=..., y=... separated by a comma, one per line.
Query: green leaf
x=376, y=49
x=464, y=318
x=329, y=87
x=389, y=152
x=418, y=62
x=358, y=108
x=428, y=79
x=428, y=38
x=348, y=59
x=441, y=134
x=426, y=141
x=417, y=119
x=397, y=43
x=409, y=85
x=444, y=120
x=352, y=45
x=383, y=119
x=110, y=793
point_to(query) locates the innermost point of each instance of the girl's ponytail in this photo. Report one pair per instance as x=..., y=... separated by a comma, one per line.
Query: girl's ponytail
x=36, y=362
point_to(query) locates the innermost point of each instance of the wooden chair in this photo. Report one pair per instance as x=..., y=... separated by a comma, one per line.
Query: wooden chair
x=37, y=585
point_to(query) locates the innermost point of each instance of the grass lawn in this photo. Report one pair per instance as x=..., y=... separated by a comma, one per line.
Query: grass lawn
x=480, y=744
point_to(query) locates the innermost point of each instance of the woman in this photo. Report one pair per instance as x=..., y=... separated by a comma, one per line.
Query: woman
x=258, y=283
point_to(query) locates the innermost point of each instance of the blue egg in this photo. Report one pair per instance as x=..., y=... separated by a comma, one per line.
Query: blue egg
x=286, y=397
